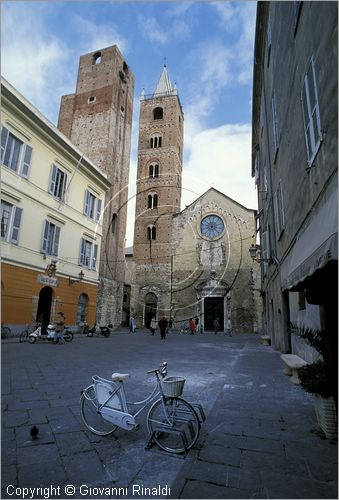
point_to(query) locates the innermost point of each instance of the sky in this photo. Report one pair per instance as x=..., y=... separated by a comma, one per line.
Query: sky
x=208, y=50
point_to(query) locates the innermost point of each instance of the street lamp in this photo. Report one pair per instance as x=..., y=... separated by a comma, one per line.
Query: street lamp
x=81, y=277
x=255, y=255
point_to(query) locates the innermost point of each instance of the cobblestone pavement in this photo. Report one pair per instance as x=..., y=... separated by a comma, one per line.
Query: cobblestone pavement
x=260, y=438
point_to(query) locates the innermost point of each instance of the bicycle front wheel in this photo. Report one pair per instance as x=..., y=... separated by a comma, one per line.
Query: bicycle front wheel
x=91, y=415
x=174, y=424
x=23, y=336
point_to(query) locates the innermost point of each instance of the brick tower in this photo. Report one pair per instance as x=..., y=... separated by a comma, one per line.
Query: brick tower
x=158, y=197
x=98, y=119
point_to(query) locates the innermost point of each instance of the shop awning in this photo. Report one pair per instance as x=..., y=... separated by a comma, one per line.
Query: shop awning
x=316, y=245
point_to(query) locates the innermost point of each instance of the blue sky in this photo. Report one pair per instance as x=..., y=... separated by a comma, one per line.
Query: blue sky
x=208, y=48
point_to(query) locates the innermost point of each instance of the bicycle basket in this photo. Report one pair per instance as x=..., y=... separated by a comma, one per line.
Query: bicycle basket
x=173, y=386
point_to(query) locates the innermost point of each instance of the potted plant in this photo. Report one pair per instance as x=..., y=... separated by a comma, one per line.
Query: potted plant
x=319, y=378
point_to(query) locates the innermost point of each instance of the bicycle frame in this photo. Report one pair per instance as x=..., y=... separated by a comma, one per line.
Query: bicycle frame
x=122, y=417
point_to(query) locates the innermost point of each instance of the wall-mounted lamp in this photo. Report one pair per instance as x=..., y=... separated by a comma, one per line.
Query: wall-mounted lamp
x=255, y=255
x=81, y=277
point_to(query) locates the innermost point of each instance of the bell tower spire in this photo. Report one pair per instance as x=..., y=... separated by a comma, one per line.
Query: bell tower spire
x=160, y=153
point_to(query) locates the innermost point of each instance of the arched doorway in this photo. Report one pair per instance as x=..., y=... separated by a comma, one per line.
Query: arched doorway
x=150, y=308
x=44, y=305
x=82, y=308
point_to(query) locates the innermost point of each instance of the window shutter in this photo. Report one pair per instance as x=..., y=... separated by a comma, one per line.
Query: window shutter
x=45, y=237
x=4, y=137
x=86, y=209
x=56, y=240
x=98, y=212
x=26, y=160
x=53, y=180
x=94, y=257
x=82, y=251
x=16, y=225
x=64, y=183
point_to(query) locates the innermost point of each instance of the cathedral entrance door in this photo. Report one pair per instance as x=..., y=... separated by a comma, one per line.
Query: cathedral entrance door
x=213, y=308
x=150, y=308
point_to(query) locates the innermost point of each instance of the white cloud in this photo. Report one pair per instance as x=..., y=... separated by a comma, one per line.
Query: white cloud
x=150, y=29
x=223, y=154
x=99, y=36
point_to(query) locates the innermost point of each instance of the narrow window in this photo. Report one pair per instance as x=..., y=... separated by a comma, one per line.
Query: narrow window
x=154, y=170
x=152, y=200
x=14, y=153
x=114, y=223
x=158, y=113
x=89, y=204
x=151, y=233
x=155, y=141
x=50, y=241
x=58, y=181
x=311, y=113
x=279, y=210
x=274, y=125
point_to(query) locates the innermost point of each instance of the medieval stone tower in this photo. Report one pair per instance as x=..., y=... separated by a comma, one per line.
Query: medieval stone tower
x=158, y=197
x=98, y=119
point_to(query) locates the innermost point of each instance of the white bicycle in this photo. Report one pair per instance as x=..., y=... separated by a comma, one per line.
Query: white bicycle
x=172, y=422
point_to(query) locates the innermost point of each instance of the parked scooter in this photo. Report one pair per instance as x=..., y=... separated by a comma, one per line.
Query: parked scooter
x=105, y=331
x=49, y=334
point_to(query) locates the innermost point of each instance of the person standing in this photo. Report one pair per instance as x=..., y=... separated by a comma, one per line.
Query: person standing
x=170, y=326
x=216, y=325
x=153, y=325
x=183, y=327
x=191, y=325
x=229, y=327
x=163, y=326
x=60, y=327
x=133, y=324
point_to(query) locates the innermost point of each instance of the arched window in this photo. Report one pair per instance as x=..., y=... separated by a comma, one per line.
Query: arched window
x=155, y=141
x=152, y=200
x=154, y=170
x=97, y=58
x=158, y=113
x=151, y=233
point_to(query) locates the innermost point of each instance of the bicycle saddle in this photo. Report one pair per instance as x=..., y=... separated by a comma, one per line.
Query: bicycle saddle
x=120, y=376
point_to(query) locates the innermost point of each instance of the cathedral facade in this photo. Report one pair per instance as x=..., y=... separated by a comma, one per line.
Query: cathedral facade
x=192, y=263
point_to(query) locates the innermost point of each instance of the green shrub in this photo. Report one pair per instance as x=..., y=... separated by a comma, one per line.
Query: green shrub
x=314, y=378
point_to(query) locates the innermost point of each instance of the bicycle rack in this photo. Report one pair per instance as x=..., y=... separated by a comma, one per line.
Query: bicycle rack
x=161, y=428
x=199, y=411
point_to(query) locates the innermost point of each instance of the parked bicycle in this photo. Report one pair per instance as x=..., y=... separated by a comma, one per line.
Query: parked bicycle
x=172, y=422
x=5, y=331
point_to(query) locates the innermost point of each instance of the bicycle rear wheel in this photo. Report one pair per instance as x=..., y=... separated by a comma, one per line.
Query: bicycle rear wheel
x=23, y=336
x=91, y=415
x=174, y=424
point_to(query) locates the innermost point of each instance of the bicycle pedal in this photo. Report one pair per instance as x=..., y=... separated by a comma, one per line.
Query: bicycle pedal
x=137, y=427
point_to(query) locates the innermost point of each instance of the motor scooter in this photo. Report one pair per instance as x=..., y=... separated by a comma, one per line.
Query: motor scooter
x=49, y=334
x=105, y=331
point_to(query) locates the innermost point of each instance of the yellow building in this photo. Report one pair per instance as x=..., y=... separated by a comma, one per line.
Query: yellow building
x=52, y=202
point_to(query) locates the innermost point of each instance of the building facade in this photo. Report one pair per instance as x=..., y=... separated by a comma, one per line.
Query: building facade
x=98, y=119
x=52, y=198
x=158, y=197
x=295, y=164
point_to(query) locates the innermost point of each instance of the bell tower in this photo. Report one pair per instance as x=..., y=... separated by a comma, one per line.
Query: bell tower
x=160, y=152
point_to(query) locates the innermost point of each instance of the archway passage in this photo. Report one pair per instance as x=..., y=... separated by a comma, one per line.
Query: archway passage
x=213, y=308
x=44, y=305
x=150, y=308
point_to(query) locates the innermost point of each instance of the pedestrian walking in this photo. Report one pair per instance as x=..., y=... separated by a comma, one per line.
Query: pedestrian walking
x=60, y=327
x=153, y=326
x=216, y=325
x=183, y=327
x=170, y=326
x=163, y=326
x=133, y=325
x=229, y=328
x=191, y=326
